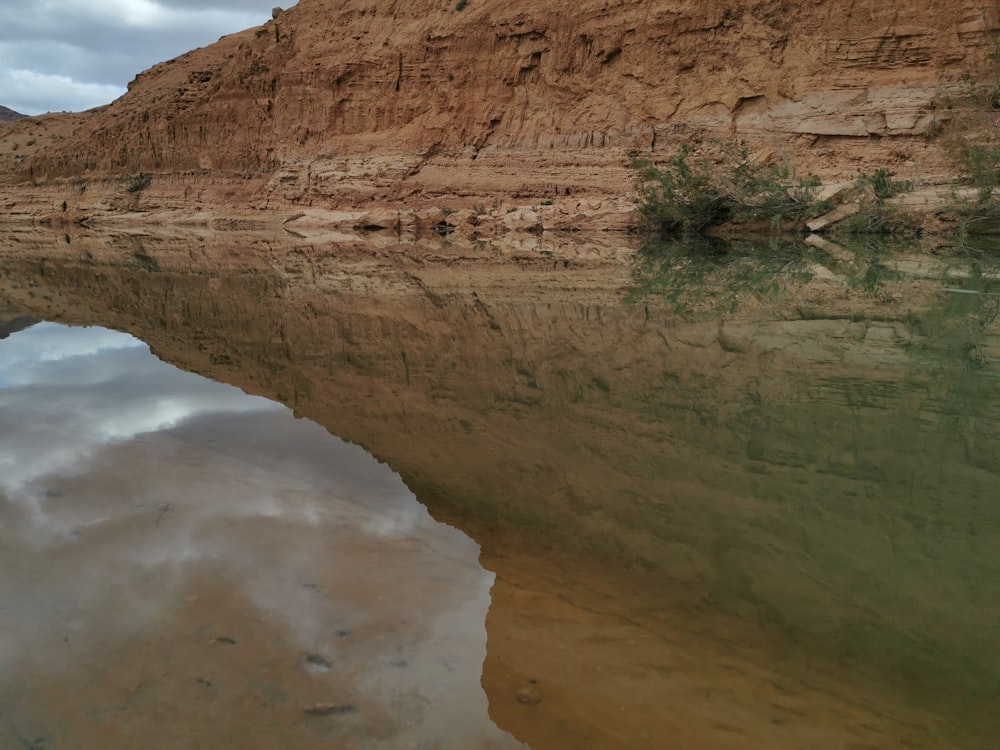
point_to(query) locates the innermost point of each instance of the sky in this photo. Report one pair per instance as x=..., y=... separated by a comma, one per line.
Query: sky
x=71, y=55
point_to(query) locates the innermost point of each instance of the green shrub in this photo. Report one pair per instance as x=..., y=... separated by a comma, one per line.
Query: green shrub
x=682, y=197
x=974, y=146
x=875, y=216
x=978, y=165
x=975, y=218
x=766, y=192
x=690, y=193
x=879, y=187
x=138, y=183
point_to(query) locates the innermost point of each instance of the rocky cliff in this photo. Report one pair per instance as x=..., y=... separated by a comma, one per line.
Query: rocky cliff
x=9, y=115
x=342, y=104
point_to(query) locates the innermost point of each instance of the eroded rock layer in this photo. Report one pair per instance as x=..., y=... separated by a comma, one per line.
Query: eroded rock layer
x=336, y=104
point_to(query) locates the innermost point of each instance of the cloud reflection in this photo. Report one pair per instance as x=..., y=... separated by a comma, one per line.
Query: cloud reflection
x=129, y=489
x=70, y=392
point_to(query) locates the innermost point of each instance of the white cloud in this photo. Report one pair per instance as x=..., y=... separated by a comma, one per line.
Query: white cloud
x=141, y=14
x=50, y=341
x=69, y=392
x=76, y=54
x=32, y=93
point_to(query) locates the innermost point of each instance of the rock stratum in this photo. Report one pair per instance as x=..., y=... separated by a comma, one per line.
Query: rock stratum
x=503, y=106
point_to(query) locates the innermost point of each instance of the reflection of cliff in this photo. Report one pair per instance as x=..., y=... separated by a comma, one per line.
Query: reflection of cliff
x=7, y=327
x=828, y=485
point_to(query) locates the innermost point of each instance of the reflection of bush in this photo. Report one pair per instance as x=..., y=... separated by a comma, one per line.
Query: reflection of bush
x=715, y=275
x=959, y=326
x=687, y=272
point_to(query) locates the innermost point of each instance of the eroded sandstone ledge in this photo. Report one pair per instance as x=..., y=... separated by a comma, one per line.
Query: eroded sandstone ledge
x=502, y=106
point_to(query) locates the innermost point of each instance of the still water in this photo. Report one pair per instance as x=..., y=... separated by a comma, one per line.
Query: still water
x=185, y=565
x=755, y=506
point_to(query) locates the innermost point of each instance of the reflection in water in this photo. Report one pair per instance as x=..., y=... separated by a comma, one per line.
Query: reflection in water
x=764, y=525
x=687, y=272
x=184, y=565
x=699, y=274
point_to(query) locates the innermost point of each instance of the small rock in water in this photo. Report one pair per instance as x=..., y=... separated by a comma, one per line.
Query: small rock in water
x=330, y=709
x=316, y=663
x=528, y=696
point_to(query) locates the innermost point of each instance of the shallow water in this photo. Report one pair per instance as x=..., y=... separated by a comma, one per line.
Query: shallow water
x=770, y=523
x=185, y=565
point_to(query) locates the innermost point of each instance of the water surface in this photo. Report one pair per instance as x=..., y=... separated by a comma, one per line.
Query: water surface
x=766, y=523
x=185, y=565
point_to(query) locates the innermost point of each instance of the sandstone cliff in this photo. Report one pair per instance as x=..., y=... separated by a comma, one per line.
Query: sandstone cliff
x=346, y=104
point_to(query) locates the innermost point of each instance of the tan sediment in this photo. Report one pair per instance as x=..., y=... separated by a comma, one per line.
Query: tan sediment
x=501, y=108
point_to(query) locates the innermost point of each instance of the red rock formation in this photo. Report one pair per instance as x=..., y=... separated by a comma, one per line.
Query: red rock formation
x=336, y=104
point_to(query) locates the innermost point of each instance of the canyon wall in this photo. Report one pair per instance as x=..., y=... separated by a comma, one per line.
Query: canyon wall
x=342, y=104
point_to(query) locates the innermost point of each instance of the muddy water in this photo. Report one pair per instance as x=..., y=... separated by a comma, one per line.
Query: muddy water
x=770, y=524
x=185, y=565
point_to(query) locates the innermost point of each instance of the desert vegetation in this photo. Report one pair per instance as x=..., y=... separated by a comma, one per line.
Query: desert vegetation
x=691, y=193
x=733, y=193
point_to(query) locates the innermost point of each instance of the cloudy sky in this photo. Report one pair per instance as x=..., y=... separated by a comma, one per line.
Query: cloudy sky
x=71, y=55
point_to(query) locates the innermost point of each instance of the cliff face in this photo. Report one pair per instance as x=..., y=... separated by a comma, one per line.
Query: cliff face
x=339, y=103
x=9, y=115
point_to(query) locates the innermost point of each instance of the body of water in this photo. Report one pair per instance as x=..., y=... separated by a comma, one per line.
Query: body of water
x=185, y=565
x=737, y=505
